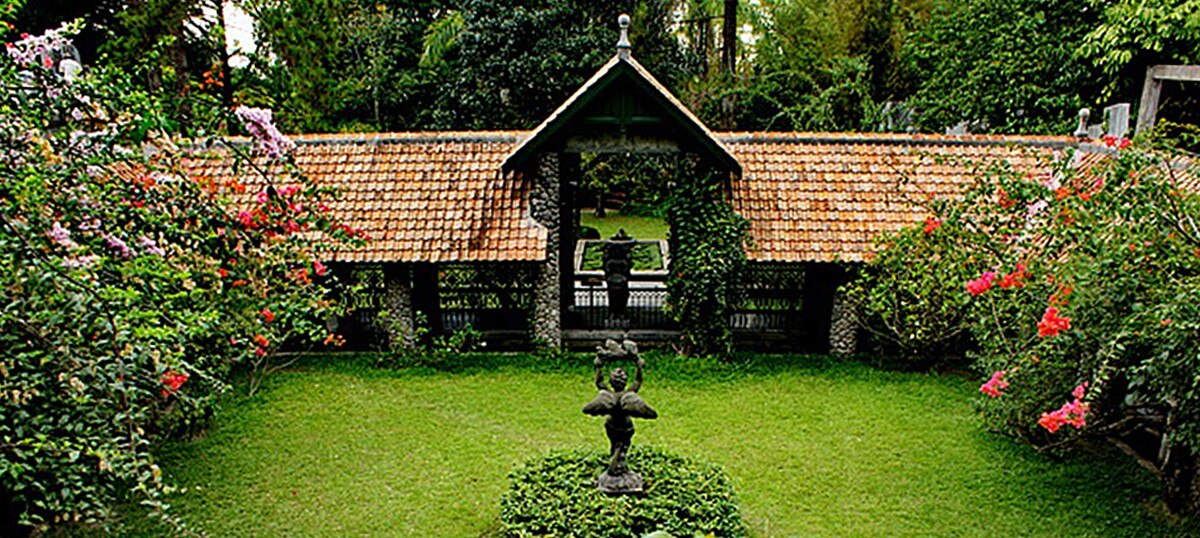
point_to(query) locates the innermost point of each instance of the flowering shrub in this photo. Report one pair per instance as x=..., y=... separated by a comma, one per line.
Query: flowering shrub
x=130, y=287
x=1082, y=283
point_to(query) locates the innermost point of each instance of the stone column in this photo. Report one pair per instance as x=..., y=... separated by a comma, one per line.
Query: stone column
x=843, y=329
x=397, y=302
x=544, y=200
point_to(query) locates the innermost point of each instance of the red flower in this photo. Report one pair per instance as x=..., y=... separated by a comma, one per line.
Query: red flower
x=995, y=384
x=981, y=284
x=319, y=268
x=172, y=380
x=267, y=315
x=222, y=272
x=261, y=340
x=1005, y=201
x=931, y=224
x=1052, y=323
x=1015, y=279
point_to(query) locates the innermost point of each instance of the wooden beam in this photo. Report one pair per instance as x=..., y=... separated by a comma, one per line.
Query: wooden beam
x=612, y=143
x=1152, y=90
x=1186, y=73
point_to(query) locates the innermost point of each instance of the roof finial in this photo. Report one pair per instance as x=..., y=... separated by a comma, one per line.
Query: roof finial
x=623, y=45
x=1082, y=130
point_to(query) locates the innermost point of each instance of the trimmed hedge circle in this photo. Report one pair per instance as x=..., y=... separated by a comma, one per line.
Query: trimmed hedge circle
x=556, y=495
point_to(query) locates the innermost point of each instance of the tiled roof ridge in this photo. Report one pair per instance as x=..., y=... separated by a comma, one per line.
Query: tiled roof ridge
x=498, y=136
x=752, y=137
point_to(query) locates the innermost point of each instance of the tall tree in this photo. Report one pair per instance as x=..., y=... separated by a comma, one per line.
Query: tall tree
x=1008, y=63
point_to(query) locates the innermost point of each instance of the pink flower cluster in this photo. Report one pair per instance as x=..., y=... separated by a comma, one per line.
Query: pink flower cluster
x=995, y=385
x=261, y=126
x=981, y=284
x=62, y=237
x=1073, y=413
x=36, y=50
x=118, y=245
x=150, y=246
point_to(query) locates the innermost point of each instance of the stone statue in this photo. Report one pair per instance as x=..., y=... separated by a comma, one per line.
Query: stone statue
x=621, y=405
x=618, y=264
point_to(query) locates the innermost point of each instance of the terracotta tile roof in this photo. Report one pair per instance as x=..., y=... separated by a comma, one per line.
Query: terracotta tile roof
x=420, y=197
x=825, y=197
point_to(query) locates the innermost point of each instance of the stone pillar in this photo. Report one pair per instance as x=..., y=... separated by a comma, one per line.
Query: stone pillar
x=843, y=329
x=545, y=210
x=397, y=302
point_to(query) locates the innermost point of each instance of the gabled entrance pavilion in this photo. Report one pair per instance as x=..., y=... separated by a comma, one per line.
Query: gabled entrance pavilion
x=478, y=227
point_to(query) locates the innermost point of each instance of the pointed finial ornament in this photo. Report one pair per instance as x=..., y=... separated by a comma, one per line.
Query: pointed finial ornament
x=1082, y=130
x=623, y=45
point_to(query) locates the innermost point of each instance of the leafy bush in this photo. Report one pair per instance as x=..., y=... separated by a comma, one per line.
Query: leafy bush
x=131, y=287
x=557, y=496
x=1078, y=289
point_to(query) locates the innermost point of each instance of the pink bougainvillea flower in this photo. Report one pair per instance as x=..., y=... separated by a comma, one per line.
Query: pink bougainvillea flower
x=995, y=385
x=246, y=219
x=261, y=126
x=1080, y=391
x=1072, y=413
x=1051, y=323
x=981, y=284
x=320, y=269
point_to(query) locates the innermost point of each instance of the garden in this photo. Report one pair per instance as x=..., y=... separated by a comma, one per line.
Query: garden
x=812, y=446
x=171, y=362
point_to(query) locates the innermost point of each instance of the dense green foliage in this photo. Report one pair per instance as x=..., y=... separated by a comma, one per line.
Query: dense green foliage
x=1010, y=64
x=556, y=495
x=707, y=242
x=130, y=288
x=1078, y=290
x=810, y=444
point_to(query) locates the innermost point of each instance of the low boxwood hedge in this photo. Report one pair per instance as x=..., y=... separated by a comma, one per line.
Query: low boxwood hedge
x=556, y=496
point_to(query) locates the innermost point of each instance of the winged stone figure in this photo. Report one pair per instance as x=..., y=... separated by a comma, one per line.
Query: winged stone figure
x=621, y=404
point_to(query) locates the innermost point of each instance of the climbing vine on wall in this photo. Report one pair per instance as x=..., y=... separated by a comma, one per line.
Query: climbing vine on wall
x=707, y=240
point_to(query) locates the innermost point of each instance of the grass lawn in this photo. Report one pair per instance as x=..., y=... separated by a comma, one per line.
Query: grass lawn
x=637, y=227
x=646, y=257
x=814, y=447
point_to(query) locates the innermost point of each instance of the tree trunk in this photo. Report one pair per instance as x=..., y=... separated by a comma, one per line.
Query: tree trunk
x=226, y=69
x=1179, y=477
x=729, y=41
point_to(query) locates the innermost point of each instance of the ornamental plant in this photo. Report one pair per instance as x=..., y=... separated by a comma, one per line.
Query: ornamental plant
x=707, y=241
x=1078, y=290
x=131, y=286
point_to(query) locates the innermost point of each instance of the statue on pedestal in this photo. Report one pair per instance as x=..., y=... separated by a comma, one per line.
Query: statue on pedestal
x=618, y=265
x=620, y=404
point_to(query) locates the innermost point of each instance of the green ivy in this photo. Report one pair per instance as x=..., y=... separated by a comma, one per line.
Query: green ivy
x=707, y=241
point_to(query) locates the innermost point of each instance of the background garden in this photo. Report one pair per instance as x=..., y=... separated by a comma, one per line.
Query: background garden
x=142, y=387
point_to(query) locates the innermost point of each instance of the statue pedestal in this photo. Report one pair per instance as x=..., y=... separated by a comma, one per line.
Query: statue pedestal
x=620, y=484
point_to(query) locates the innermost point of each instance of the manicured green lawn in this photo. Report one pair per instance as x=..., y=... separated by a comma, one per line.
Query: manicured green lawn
x=637, y=227
x=814, y=448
